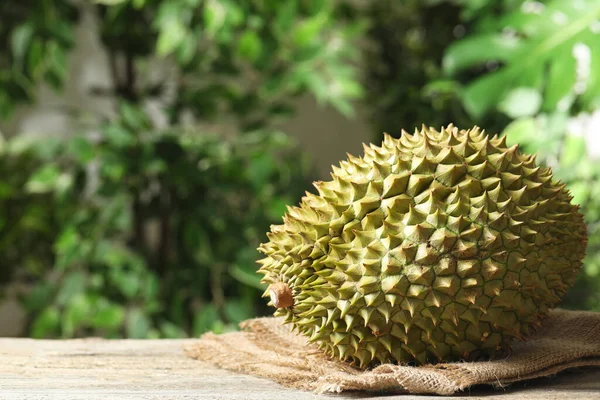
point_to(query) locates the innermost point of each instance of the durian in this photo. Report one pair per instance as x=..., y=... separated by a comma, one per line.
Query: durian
x=438, y=246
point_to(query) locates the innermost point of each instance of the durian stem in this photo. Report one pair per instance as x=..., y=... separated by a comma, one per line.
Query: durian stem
x=281, y=295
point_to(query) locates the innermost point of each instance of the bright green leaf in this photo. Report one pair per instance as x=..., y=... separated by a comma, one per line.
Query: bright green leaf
x=46, y=324
x=72, y=285
x=39, y=297
x=560, y=81
x=481, y=95
x=57, y=62
x=172, y=34
x=521, y=131
x=580, y=191
x=43, y=180
x=286, y=14
x=19, y=41
x=133, y=117
x=479, y=49
x=187, y=50
x=249, y=46
x=591, y=96
x=307, y=31
x=119, y=135
x=214, y=16
x=127, y=282
x=76, y=312
x=110, y=2
x=170, y=330
x=109, y=317
x=137, y=324
x=81, y=148
x=247, y=276
x=237, y=311
x=521, y=102
x=35, y=58
x=205, y=319
x=573, y=151
x=343, y=106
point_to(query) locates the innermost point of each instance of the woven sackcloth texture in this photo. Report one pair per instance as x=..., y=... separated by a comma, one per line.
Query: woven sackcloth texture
x=268, y=349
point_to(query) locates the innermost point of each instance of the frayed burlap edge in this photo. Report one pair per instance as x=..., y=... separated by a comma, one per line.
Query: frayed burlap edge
x=268, y=349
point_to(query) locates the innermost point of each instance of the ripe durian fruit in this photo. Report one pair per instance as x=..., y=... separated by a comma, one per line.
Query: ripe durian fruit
x=440, y=246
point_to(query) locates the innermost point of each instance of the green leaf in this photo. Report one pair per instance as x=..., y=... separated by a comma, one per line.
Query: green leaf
x=237, y=311
x=521, y=102
x=560, y=81
x=6, y=105
x=214, y=16
x=118, y=135
x=247, y=276
x=81, y=148
x=259, y=170
x=35, y=58
x=137, y=324
x=318, y=6
x=442, y=86
x=307, y=31
x=150, y=288
x=46, y=324
x=286, y=14
x=278, y=207
x=580, y=191
x=478, y=49
x=133, y=117
x=205, y=319
x=187, y=50
x=70, y=248
x=483, y=94
x=58, y=63
x=43, y=180
x=170, y=330
x=20, y=40
x=343, y=106
x=249, y=46
x=127, y=282
x=573, y=151
x=110, y=2
x=537, y=48
x=520, y=131
x=351, y=88
x=39, y=297
x=75, y=314
x=172, y=34
x=110, y=316
x=591, y=97
x=72, y=285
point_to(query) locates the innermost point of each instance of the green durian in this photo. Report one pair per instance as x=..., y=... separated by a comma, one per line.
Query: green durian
x=438, y=246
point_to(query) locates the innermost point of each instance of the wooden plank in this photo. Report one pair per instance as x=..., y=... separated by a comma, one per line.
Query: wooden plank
x=157, y=369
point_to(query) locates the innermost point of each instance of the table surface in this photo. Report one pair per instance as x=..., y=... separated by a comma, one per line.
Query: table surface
x=157, y=369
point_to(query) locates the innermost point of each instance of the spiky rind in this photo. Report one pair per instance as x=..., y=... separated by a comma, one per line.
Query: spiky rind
x=438, y=246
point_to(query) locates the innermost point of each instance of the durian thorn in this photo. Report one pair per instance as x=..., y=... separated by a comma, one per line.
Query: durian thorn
x=281, y=295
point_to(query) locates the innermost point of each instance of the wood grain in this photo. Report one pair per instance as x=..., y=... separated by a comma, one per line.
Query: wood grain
x=89, y=369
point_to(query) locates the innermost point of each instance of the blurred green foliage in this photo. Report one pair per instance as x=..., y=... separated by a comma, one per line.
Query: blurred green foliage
x=528, y=69
x=148, y=227
x=153, y=237
x=532, y=70
x=403, y=54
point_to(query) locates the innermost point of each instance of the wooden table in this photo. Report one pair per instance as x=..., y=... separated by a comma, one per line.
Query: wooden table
x=158, y=369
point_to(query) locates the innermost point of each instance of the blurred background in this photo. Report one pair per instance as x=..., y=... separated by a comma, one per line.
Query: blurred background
x=147, y=145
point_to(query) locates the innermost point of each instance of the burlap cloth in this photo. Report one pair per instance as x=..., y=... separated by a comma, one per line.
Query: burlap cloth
x=267, y=349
